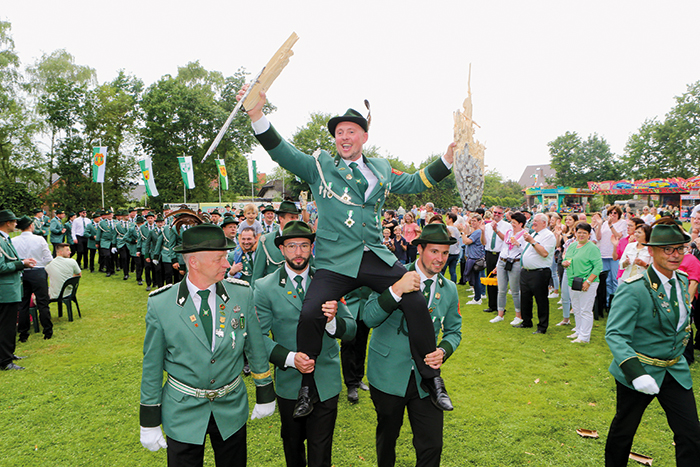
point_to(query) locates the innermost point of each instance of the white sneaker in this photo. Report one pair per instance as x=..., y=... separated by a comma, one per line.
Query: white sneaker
x=474, y=302
x=516, y=321
x=497, y=319
x=573, y=336
x=579, y=341
x=553, y=295
x=560, y=307
x=559, y=302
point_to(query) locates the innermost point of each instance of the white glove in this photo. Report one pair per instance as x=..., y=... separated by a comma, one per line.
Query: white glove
x=155, y=261
x=152, y=438
x=263, y=410
x=645, y=384
x=114, y=251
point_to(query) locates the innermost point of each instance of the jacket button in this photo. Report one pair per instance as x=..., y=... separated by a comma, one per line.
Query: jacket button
x=213, y=360
x=212, y=381
x=364, y=225
x=363, y=206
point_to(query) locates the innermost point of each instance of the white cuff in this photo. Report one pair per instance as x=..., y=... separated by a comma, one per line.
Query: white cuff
x=331, y=327
x=261, y=126
x=289, y=361
x=448, y=165
x=396, y=297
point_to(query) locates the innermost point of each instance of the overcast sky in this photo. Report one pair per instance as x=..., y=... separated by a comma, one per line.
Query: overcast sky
x=539, y=68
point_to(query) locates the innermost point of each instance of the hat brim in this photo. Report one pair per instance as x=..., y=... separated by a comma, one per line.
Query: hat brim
x=422, y=241
x=281, y=239
x=230, y=244
x=333, y=122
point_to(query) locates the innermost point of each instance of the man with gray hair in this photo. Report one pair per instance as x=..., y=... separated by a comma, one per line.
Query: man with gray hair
x=536, y=272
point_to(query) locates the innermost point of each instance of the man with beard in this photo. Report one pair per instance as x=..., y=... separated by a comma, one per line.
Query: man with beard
x=393, y=380
x=270, y=257
x=278, y=309
x=242, y=258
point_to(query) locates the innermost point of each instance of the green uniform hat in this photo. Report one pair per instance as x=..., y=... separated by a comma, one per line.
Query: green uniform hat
x=150, y=214
x=159, y=218
x=97, y=214
x=351, y=115
x=215, y=211
x=70, y=214
x=204, y=237
x=59, y=211
x=131, y=210
x=229, y=220
x=269, y=207
x=295, y=229
x=667, y=234
x=24, y=222
x=287, y=207
x=107, y=212
x=436, y=234
x=140, y=220
x=7, y=215
x=35, y=210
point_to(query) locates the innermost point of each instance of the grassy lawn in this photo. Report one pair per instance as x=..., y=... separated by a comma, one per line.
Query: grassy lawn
x=519, y=397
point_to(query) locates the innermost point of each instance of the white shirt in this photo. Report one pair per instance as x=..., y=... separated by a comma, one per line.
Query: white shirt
x=514, y=249
x=29, y=245
x=605, y=244
x=531, y=259
x=630, y=254
x=197, y=301
x=648, y=219
x=503, y=226
x=78, y=227
x=682, y=312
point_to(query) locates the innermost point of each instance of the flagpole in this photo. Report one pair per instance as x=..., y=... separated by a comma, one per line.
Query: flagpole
x=102, y=185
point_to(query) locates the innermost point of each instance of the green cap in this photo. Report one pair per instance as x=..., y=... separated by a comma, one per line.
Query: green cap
x=667, y=234
x=269, y=207
x=24, y=222
x=204, y=237
x=436, y=234
x=295, y=229
x=287, y=207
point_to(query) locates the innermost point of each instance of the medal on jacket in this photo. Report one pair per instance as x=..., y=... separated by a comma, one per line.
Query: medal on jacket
x=233, y=340
x=346, y=195
x=219, y=333
x=349, y=221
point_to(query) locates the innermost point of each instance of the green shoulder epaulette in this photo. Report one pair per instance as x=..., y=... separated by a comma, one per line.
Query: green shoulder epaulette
x=678, y=271
x=631, y=279
x=161, y=290
x=231, y=280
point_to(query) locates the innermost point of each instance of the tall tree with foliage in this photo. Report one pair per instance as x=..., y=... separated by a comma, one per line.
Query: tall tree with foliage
x=501, y=192
x=577, y=162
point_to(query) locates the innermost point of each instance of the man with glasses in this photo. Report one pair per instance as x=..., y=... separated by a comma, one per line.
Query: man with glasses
x=494, y=234
x=647, y=331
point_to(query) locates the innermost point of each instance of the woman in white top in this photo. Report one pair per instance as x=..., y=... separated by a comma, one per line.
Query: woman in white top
x=617, y=227
x=636, y=257
x=508, y=268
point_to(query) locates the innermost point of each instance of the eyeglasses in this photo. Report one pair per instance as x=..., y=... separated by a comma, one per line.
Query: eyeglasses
x=496, y=213
x=294, y=246
x=669, y=250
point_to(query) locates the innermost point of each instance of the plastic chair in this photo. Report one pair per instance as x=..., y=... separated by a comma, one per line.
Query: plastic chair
x=67, y=299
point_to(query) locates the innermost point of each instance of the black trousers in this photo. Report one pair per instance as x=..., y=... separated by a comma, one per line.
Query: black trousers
x=157, y=271
x=124, y=259
x=107, y=260
x=8, y=328
x=535, y=284
x=316, y=429
x=426, y=423
x=137, y=261
x=149, y=274
x=35, y=281
x=681, y=413
x=379, y=276
x=353, y=354
x=81, y=251
x=91, y=253
x=492, y=290
x=168, y=273
x=229, y=452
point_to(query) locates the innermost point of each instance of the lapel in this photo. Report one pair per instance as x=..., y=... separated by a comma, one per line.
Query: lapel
x=435, y=300
x=222, y=300
x=190, y=315
x=289, y=289
x=662, y=302
x=381, y=182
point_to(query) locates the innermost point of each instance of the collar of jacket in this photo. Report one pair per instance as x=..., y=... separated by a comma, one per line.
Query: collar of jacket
x=183, y=292
x=284, y=276
x=412, y=267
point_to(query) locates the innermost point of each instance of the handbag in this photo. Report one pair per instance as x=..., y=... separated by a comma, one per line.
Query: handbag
x=577, y=284
x=479, y=265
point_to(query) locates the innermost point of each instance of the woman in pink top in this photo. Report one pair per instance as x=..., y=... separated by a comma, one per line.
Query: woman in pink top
x=411, y=230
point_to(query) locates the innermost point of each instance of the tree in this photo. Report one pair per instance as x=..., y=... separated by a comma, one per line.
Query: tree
x=500, y=192
x=670, y=148
x=15, y=197
x=577, y=162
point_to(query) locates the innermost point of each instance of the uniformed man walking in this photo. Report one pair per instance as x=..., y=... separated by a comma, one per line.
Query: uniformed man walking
x=647, y=331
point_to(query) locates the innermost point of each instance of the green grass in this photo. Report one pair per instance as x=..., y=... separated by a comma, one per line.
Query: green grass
x=77, y=402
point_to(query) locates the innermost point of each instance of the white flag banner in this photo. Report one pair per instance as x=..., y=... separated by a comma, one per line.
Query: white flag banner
x=99, y=158
x=187, y=171
x=148, y=180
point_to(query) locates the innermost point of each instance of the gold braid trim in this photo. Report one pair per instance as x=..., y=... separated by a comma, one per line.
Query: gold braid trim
x=261, y=375
x=425, y=179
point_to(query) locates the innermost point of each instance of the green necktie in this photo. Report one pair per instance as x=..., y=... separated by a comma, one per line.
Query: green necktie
x=493, y=238
x=361, y=180
x=300, y=288
x=674, y=301
x=426, y=290
x=205, y=313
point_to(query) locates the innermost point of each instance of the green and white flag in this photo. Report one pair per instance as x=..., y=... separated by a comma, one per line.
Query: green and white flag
x=147, y=172
x=99, y=158
x=186, y=171
x=252, y=172
x=223, y=176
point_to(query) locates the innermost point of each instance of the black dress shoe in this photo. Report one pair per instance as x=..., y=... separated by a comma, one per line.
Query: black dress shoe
x=489, y=310
x=539, y=332
x=23, y=339
x=140, y=282
x=109, y=274
x=304, y=406
x=148, y=288
x=363, y=386
x=126, y=277
x=15, y=357
x=12, y=366
x=48, y=336
x=522, y=326
x=353, y=397
x=435, y=387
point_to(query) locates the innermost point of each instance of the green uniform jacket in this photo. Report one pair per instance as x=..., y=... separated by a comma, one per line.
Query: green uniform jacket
x=278, y=307
x=106, y=235
x=10, y=276
x=641, y=320
x=121, y=229
x=41, y=227
x=348, y=223
x=69, y=232
x=131, y=239
x=176, y=343
x=91, y=234
x=55, y=227
x=268, y=257
x=143, y=234
x=155, y=244
x=170, y=240
x=389, y=361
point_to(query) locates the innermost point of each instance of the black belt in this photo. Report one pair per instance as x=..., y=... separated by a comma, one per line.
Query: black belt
x=538, y=269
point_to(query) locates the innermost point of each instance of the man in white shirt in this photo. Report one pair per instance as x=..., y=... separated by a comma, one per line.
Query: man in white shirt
x=536, y=261
x=494, y=234
x=34, y=279
x=79, y=238
x=647, y=217
x=62, y=268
